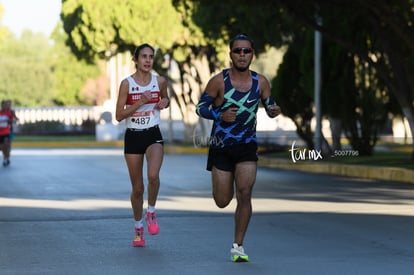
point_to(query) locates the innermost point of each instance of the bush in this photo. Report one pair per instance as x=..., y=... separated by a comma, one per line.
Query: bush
x=44, y=127
x=88, y=126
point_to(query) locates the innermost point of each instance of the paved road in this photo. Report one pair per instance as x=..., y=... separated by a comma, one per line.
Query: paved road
x=66, y=211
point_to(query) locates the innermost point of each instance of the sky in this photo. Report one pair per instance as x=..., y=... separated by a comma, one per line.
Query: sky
x=35, y=15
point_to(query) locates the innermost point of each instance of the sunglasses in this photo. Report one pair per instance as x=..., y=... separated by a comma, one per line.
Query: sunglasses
x=244, y=50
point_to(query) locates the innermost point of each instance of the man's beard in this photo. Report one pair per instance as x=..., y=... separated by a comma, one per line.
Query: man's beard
x=241, y=69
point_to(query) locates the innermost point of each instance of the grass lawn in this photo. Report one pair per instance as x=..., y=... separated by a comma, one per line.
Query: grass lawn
x=381, y=158
x=390, y=156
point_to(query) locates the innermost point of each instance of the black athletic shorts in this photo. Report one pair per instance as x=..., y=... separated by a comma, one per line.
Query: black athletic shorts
x=4, y=139
x=226, y=158
x=137, y=141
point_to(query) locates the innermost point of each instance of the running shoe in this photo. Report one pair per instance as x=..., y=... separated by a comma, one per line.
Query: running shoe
x=6, y=162
x=138, y=237
x=237, y=254
x=153, y=227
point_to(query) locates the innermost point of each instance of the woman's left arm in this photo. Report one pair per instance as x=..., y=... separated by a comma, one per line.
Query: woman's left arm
x=165, y=100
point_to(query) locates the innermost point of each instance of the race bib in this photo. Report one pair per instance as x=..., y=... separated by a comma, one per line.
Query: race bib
x=4, y=121
x=141, y=120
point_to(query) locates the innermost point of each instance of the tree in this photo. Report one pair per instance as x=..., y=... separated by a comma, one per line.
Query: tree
x=77, y=82
x=384, y=39
x=96, y=29
x=25, y=72
x=36, y=71
x=3, y=31
x=352, y=94
x=292, y=92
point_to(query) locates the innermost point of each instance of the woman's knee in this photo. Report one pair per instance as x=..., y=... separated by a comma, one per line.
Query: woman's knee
x=153, y=174
x=137, y=191
x=153, y=178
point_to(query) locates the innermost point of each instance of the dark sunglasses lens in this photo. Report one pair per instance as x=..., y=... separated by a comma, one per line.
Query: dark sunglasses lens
x=244, y=50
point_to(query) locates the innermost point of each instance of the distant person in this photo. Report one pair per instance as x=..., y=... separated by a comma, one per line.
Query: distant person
x=8, y=106
x=141, y=97
x=231, y=100
x=6, y=120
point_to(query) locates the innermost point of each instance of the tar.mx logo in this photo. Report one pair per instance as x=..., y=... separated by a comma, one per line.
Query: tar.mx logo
x=200, y=140
x=304, y=154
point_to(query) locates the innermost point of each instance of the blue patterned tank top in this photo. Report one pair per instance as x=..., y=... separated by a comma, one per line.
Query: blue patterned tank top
x=243, y=130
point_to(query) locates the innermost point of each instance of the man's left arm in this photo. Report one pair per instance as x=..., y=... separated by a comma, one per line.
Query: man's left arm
x=268, y=102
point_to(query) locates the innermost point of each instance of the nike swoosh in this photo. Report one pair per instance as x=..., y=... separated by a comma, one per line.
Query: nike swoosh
x=251, y=100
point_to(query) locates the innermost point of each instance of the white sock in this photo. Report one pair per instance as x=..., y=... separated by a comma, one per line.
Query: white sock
x=139, y=224
x=151, y=209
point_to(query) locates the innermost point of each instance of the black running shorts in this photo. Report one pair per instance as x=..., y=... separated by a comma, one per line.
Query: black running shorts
x=4, y=139
x=226, y=158
x=137, y=141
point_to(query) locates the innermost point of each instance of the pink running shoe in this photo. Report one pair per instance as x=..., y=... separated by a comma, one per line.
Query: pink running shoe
x=138, y=237
x=153, y=227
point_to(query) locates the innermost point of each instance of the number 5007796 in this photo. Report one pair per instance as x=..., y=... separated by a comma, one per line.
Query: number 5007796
x=345, y=153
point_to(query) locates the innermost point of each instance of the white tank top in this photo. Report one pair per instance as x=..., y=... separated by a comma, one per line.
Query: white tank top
x=145, y=116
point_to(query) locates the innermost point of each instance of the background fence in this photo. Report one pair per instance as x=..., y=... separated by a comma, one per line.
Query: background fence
x=70, y=116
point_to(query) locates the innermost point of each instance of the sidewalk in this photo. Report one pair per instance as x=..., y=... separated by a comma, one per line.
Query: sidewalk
x=392, y=174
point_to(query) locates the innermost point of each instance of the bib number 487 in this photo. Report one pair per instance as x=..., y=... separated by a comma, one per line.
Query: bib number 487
x=141, y=120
